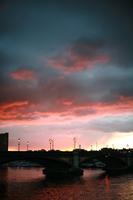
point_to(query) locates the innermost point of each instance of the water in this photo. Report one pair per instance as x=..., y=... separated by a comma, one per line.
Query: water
x=30, y=184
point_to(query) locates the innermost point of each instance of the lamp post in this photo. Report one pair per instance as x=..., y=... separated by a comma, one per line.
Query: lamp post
x=18, y=144
x=27, y=145
x=51, y=144
x=74, y=142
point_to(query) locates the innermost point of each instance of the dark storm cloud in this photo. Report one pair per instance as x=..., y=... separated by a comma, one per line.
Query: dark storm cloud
x=6, y=61
x=7, y=20
x=82, y=54
x=50, y=24
x=119, y=33
x=86, y=47
x=91, y=38
x=118, y=82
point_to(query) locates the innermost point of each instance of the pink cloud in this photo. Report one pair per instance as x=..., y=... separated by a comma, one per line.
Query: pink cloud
x=23, y=110
x=15, y=111
x=23, y=74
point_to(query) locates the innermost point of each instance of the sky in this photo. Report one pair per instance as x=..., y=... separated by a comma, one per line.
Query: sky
x=66, y=71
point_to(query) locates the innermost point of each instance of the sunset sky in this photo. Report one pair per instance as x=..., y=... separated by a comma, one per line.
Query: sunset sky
x=66, y=70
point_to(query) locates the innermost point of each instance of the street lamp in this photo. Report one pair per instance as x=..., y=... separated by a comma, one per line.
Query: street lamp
x=18, y=144
x=74, y=142
x=50, y=143
x=27, y=145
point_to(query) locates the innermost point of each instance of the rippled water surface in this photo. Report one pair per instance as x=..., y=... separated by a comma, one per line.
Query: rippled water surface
x=30, y=184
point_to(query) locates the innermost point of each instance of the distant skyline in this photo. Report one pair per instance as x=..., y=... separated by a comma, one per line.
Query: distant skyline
x=66, y=70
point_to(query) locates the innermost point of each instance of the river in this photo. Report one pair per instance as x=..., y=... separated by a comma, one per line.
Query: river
x=31, y=184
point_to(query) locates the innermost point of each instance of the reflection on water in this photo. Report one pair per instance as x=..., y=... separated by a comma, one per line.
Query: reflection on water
x=30, y=184
x=107, y=184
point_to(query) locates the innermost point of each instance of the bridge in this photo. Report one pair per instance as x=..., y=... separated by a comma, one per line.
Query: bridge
x=58, y=160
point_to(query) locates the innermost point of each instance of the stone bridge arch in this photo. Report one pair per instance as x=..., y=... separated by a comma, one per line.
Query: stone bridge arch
x=44, y=161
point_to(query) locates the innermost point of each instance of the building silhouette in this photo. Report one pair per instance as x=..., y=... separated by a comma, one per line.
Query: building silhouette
x=3, y=141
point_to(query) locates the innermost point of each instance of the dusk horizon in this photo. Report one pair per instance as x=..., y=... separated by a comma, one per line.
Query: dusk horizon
x=66, y=71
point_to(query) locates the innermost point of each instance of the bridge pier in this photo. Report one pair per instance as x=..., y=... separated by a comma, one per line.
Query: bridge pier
x=76, y=159
x=129, y=160
x=72, y=171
